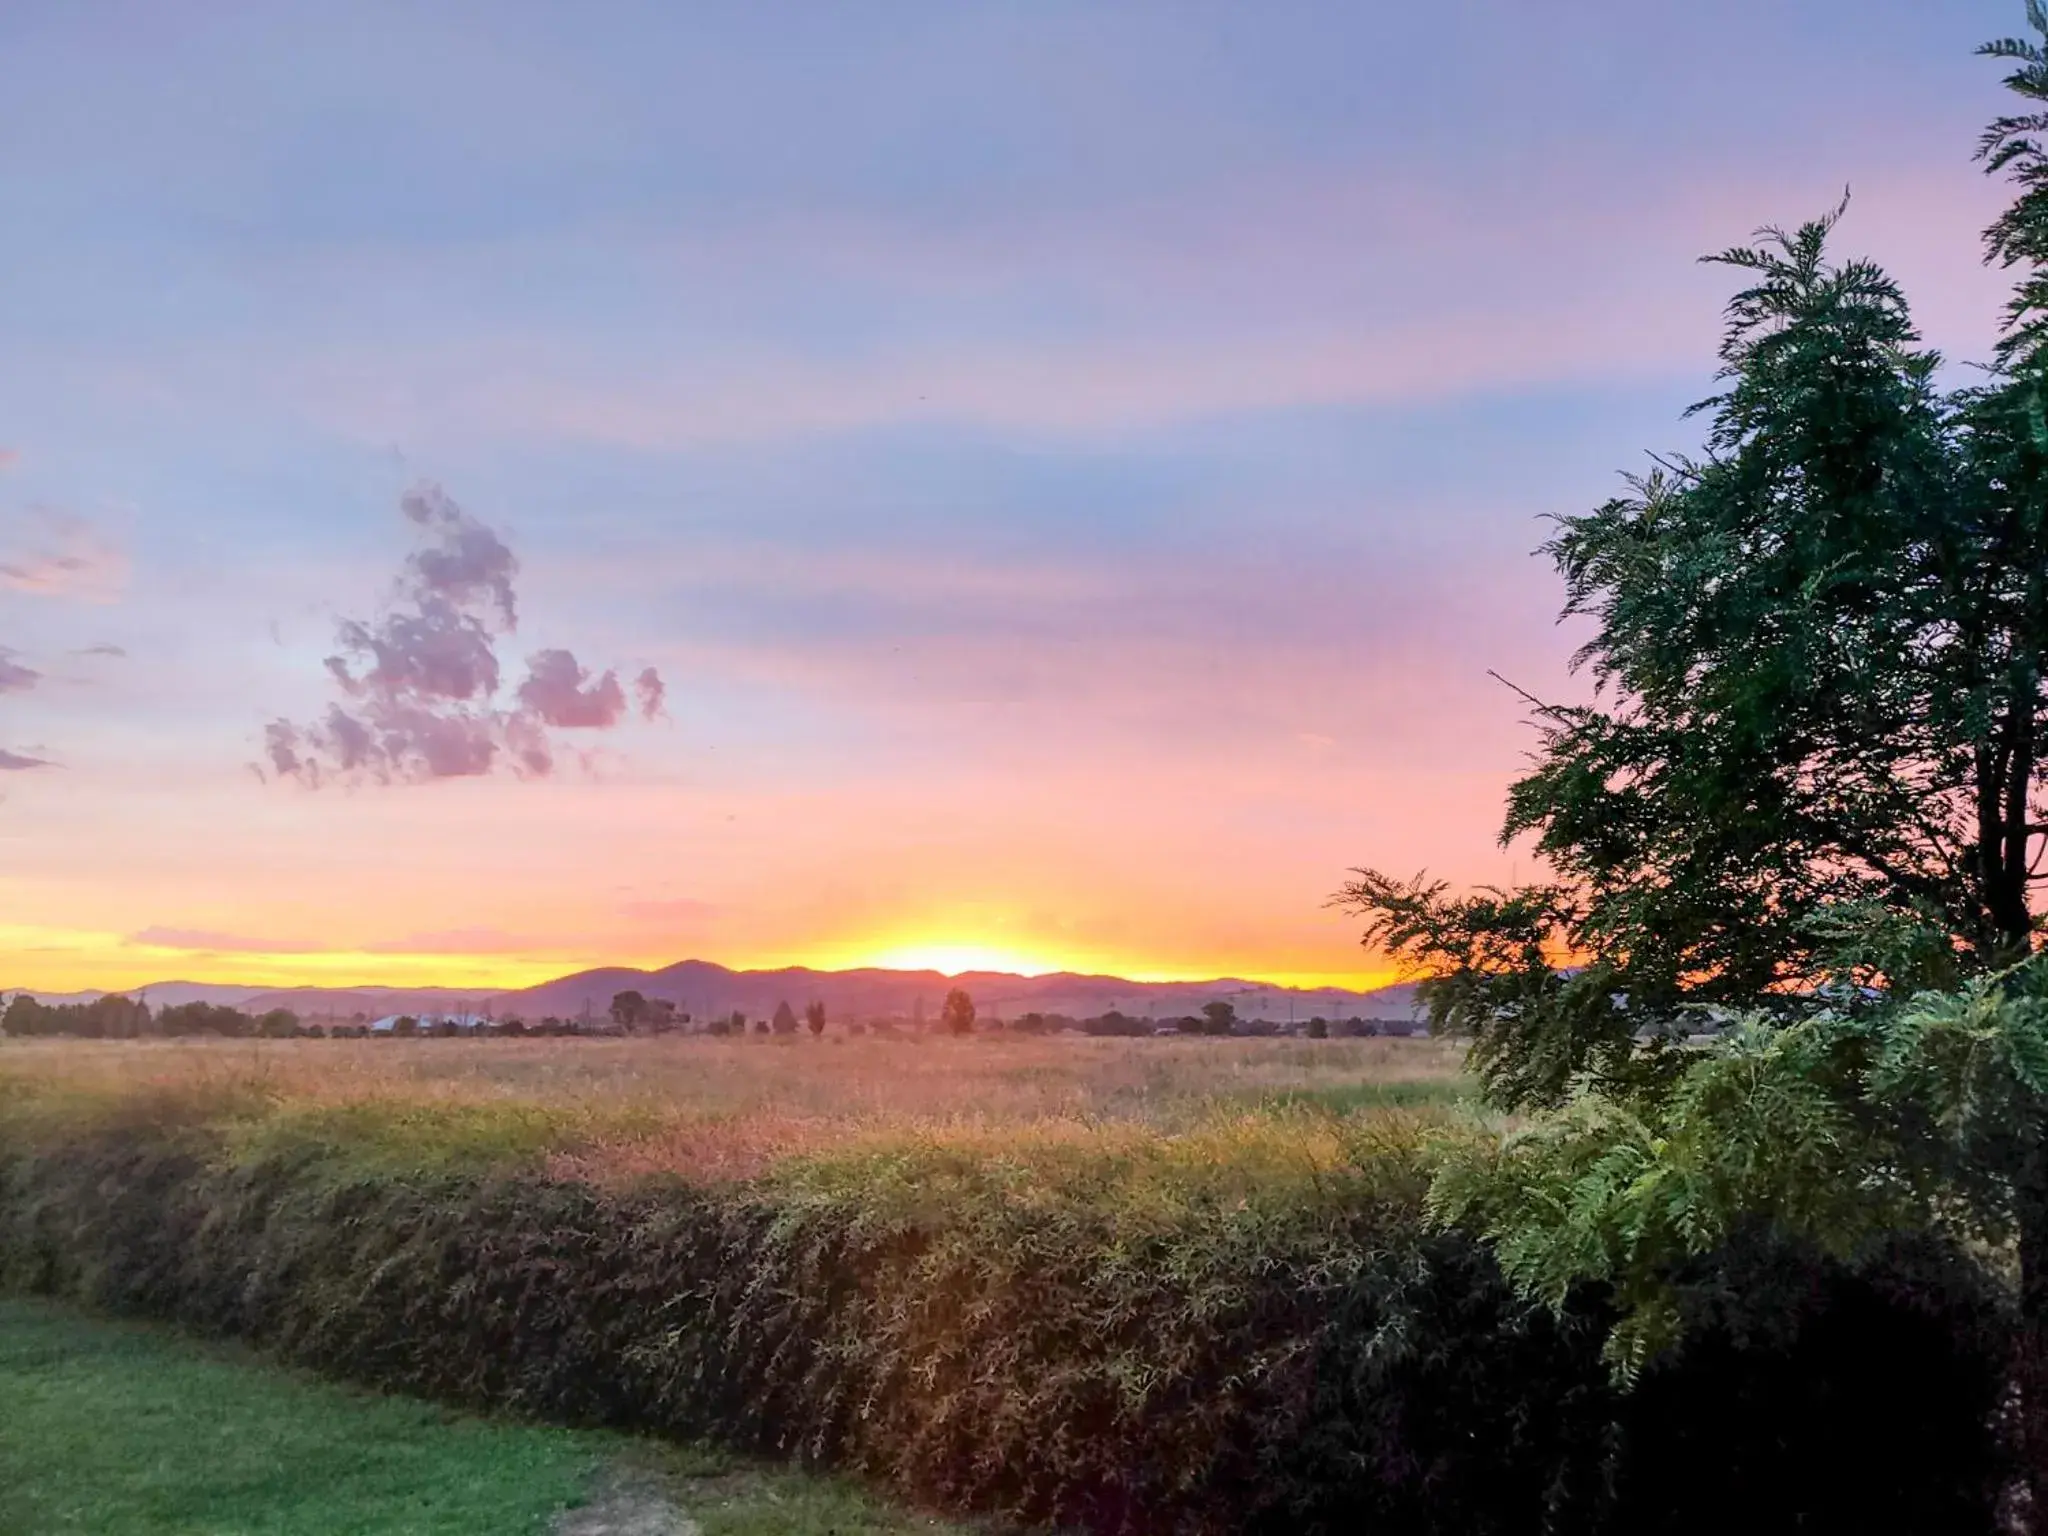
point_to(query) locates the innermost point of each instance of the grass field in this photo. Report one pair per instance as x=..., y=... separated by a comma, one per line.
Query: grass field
x=121, y=1429
x=1154, y=1287
x=1005, y=1077
x=711, y=1109
x=1112, y=1284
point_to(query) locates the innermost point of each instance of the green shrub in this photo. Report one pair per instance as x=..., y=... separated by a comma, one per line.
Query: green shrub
x=1215, y=1332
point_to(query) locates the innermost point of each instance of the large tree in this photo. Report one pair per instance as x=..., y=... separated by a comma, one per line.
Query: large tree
x=1807, y=795
x=1818, y=661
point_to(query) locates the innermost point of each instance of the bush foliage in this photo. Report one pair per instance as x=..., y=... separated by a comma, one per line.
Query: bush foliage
x=1220, y=1331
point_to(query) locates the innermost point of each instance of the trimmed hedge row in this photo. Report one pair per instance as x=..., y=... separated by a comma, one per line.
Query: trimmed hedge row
x=1310, y=1363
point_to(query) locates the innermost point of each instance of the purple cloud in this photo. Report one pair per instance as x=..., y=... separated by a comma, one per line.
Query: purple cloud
x=14, y=677
x=558, y=691
x=15, y=762
x=438, y=652
x=466, y=561
x=457, y=941
x=652, y=693
x=419, y=684
x=64, y=556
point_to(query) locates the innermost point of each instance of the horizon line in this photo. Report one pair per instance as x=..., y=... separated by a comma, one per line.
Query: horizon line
x=489, y=992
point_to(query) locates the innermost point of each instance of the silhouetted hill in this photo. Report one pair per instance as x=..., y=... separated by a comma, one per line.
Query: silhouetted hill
x=702, y=989
x=160, y=994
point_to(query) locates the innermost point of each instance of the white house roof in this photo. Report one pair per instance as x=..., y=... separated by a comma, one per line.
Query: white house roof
x=389, y=1022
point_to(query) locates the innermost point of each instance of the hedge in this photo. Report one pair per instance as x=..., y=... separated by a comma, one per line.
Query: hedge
x=1078, y=1342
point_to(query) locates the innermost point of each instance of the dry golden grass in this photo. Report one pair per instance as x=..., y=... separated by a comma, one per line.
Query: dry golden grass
x=721, y=1108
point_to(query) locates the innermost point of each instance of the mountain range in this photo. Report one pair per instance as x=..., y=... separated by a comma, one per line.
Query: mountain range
x=703, y=989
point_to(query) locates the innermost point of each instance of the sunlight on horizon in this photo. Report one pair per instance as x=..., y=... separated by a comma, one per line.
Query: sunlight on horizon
x=67, y=960
x=958, y=959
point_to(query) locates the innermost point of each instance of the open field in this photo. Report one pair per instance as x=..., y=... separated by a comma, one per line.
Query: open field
x=1122, y=1286
x=1086, y=1281
x=861, y=1078
x=711, y=1108
x=120, y=1429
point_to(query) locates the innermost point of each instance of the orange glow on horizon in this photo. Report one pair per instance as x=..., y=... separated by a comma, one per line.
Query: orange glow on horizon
x=65, y=960
x=70, y=960
x=954, y=957
x=958, y=959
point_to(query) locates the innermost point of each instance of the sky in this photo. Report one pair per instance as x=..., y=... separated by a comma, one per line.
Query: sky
x=1068, y=469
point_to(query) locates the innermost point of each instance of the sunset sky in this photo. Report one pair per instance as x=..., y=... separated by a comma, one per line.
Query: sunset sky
x=1072, y=466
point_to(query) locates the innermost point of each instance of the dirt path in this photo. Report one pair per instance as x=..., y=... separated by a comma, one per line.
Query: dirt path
x=626, y=1504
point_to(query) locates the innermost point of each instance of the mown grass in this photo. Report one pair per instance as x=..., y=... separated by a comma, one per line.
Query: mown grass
x=118, y=1429
x=123, y=1429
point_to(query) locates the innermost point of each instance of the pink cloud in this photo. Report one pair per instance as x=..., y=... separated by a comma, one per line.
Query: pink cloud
x=213, y=942
x=418, y=683
x=14, y=677
x=560, y=691
x=651, y=693
x=677, y=909
x=1347, y=288
x=796, y=568
x=457, y=941
x=58, y=554
x=1343, y=290
x=1307, y=650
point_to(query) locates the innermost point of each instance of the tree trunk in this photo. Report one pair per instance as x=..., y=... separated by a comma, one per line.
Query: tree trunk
x=2004, y=780
x=2030, y=1347
x=2015, y=917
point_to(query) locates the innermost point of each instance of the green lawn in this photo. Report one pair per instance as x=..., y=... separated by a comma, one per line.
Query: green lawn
x=122, y=1429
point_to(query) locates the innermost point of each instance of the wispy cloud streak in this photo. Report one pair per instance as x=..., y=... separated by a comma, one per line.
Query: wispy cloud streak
x=59, y=554
x=14, y=677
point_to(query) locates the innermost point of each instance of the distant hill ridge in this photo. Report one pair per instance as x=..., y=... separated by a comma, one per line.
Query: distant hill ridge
x=703, y=988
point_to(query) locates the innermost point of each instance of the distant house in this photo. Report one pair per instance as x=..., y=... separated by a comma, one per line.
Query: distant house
x=429, y=1023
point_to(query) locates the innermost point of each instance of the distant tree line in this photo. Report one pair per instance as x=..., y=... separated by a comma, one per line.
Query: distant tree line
x=115, y=1017
x=118, y=1017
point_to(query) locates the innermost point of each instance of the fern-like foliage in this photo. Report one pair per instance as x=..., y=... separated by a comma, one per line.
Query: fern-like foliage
x=1834, y=1129
x=2013, y=146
